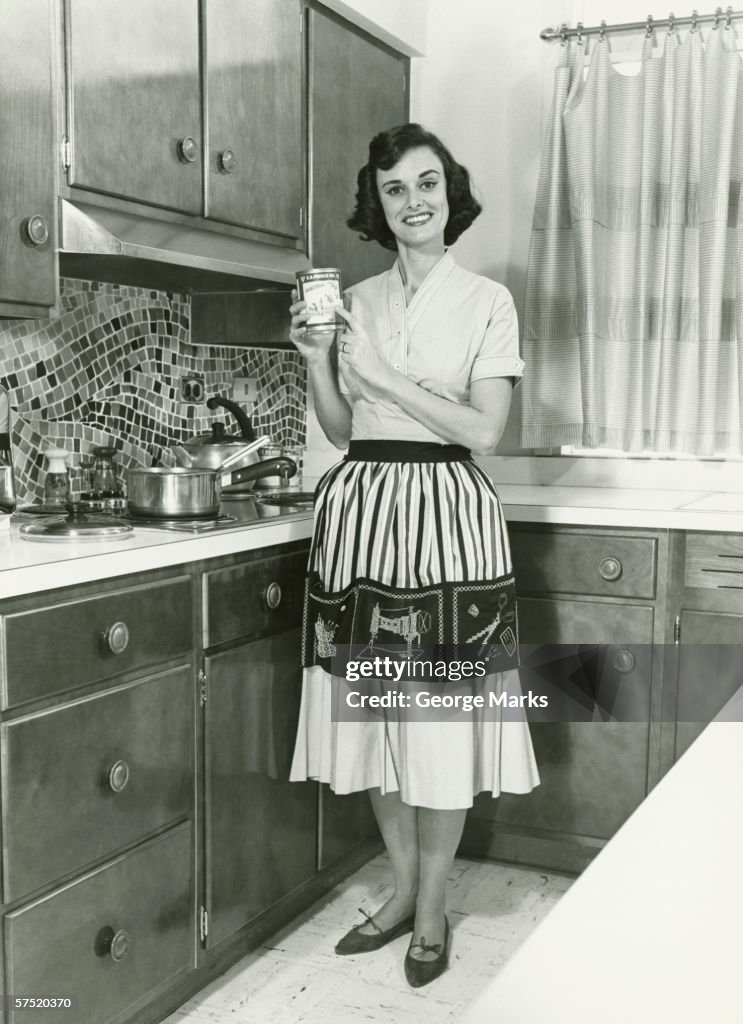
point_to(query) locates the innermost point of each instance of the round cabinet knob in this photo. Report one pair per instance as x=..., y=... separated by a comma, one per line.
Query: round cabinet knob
x=226, y=161
x=116, y=637
x=272, y=595
x=623, y=660
x=118, y=776
x=610, y=568
x=188, y=151
x=119, y=945
x=37, y=230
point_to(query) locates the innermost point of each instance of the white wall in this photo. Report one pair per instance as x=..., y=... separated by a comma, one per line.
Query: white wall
x=484, y=87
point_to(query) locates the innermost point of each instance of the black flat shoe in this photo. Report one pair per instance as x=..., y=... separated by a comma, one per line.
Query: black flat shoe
x=421, y=972
x=355, y=942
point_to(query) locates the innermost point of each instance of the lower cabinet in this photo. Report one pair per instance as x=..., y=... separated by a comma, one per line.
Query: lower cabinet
x=589, y=615
x=709, y=630
x=261, y=829
x=150, y=833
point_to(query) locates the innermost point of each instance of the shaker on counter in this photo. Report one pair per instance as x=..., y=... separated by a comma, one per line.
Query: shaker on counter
x=56, y=482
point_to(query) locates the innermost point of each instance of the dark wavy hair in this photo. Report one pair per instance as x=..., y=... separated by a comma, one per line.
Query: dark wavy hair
x=385, y=149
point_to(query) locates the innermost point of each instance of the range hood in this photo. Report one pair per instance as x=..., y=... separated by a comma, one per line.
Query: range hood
x=125, y=248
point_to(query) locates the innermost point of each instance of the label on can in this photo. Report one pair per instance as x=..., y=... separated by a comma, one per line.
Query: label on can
x=321, y=290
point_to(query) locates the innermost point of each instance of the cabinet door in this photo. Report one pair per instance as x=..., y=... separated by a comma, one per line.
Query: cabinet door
x=593, y=773
x=710, y=670
x=134, y=100
x=357, y=89
x=255, y=169
x=261, y=829
x=28, y=264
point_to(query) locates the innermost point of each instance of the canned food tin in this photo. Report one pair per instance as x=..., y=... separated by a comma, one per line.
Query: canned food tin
x=321, y=290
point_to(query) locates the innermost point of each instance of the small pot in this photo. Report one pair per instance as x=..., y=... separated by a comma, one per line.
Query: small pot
x=182, y=493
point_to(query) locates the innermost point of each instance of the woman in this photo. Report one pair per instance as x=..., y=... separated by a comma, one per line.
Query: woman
x=421, y=377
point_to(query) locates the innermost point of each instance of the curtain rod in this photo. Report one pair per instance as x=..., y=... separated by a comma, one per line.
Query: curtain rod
x=549, y=35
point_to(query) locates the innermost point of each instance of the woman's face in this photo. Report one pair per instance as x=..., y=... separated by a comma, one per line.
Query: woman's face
x=413, y=197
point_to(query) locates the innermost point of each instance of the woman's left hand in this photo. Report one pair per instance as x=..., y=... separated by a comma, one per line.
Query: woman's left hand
x=357, y=353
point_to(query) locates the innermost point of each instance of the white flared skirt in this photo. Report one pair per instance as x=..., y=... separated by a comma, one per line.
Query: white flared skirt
x=414, y=552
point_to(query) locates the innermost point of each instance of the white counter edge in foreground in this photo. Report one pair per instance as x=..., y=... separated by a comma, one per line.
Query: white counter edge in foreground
x=652, y=929
x=32, y=567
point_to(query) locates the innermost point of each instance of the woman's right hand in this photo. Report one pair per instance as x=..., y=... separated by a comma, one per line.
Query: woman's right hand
x=314, y=346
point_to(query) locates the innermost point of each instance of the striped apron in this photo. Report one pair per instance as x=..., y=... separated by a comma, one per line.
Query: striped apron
x=410, y=543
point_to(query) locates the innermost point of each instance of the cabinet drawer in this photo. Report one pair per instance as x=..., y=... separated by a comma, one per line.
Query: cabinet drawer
x=237, y=598
x=81, y=780
x=714, y=561
x=584, y=563
x=111, y=938
x=56, y=648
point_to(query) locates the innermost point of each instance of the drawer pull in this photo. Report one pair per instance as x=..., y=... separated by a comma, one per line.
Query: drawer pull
x=272, y=596
x=119, y=946
x=610, y=569
x=116, y=637
x=623, y=660
x=188, y=151
x=118, y=776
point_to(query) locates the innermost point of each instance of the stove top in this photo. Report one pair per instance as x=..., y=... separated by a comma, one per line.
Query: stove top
x=238, y=511
x=241, y=513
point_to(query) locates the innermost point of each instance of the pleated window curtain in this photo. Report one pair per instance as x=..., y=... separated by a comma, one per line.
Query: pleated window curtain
x=633, y=320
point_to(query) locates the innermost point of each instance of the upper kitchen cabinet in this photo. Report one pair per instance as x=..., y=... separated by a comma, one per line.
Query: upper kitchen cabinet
x=357, y=87
x=134, y=100
x=253, y=89
x=190, y=107
x=28, y=264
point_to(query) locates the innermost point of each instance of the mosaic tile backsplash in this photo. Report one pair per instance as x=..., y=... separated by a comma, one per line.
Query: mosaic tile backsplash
x=107, y=372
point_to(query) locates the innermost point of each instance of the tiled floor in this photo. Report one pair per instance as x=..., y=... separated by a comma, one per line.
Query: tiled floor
x=295, y=978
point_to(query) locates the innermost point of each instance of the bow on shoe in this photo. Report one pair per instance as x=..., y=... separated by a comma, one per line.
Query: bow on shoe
x=369, y=920
x=435, y=948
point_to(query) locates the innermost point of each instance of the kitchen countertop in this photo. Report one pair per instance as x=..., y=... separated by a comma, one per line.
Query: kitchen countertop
x=652, y=929
x=30, y=567
x=622, y=506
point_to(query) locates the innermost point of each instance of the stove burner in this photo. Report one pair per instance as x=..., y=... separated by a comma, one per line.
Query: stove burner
x=184, y=525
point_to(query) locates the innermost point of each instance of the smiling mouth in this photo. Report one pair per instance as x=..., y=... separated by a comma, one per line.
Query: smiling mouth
x=417, y=218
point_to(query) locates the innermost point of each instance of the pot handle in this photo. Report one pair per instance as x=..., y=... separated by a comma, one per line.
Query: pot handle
x=282, y=466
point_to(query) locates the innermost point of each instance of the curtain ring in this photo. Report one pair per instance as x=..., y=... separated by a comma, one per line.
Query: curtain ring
x=718, y=15
x=649, y=26
x=602, y=32
x=694, y=16
x=580, y=33
x=729, y=18
x=563, y=34
x=671, y=23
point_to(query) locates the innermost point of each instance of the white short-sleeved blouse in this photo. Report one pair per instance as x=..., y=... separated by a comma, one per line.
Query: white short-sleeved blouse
x=459, y=327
